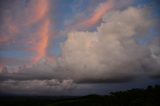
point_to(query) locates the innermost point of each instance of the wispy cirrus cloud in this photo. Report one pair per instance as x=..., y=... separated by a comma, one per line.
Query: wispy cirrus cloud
x=27, y=26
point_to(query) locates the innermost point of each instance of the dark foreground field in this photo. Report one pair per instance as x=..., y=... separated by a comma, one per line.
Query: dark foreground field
x=135, y=97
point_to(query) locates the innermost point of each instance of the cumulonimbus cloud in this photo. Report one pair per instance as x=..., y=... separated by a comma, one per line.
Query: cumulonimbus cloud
x=110, y=53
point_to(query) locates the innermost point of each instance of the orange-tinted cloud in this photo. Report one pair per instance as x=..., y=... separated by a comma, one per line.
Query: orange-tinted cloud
x=39, y=10
x=99, y=13
x=40, y=39
x=42, y=45
x=4, y=39
x=34, y=41
x=1, y=66
x=10, y=30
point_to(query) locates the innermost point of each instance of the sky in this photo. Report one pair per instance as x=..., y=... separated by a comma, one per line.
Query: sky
x=78, y=47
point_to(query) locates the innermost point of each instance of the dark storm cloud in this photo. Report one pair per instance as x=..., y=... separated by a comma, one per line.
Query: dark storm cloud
x=107, y=80
x=37, y=87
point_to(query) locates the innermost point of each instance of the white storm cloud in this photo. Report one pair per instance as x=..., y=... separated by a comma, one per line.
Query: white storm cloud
x=111, y=52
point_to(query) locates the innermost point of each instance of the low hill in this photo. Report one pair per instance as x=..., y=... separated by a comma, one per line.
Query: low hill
x=135, y=97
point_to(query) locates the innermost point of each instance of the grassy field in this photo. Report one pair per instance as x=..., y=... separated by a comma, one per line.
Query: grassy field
x=135, y=97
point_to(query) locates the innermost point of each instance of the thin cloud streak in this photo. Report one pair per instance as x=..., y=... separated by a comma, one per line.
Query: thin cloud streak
x=39, y=10
x=99, y=13
x=44, y=40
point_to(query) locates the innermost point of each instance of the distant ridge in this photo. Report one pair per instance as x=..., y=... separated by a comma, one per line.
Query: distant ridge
x=134, y=97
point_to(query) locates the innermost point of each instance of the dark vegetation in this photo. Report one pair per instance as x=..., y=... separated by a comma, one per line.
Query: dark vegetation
x=135, y=97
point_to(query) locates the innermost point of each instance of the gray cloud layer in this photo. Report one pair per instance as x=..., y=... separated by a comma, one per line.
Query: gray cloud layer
x=37, y=87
